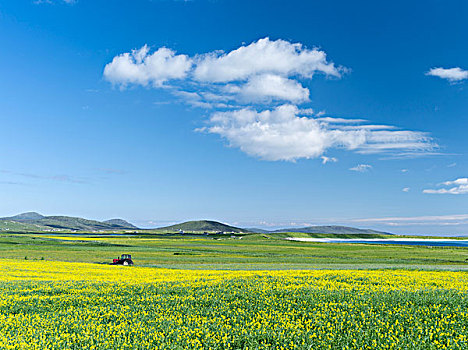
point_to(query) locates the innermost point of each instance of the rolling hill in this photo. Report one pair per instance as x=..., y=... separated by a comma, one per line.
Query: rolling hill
x=14, y=226
x=120, y=222
x=203, y=225
x=25, y=217
x=32, y=221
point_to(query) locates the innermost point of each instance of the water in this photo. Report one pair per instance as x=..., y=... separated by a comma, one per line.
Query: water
x=403, y=241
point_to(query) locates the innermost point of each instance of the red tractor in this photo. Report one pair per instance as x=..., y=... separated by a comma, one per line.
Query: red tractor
x=125, y=259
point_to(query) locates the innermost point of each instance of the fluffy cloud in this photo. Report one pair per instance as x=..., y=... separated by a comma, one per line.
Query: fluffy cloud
x=451, y=74
x=254, y=92
x=142, y=68
x=283, y=134
x=277, y=57
x=269, y=87
x=361, y=168
x=458, y=186
x=193, y=99
x=326, y=160
x=262, y=72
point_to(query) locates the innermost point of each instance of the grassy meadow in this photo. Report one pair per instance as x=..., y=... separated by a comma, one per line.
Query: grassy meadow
x=251, y=252
x=259, y=292
x=56, y=305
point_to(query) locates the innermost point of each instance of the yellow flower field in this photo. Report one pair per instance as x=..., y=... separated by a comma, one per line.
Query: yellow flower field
x=55, y=305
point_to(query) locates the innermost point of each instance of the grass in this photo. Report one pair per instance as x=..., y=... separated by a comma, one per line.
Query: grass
x=19, y=226
x=217, y=292
x=251, y=252
x=47, y=305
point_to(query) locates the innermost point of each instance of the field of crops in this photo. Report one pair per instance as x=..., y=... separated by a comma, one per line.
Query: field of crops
x=54, y=305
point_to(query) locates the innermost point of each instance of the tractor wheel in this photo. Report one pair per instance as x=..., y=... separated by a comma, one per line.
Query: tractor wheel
x=125, y=263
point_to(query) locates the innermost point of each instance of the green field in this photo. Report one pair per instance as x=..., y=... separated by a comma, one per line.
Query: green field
x=58, y=305
x=222, y=252
x=221, y=292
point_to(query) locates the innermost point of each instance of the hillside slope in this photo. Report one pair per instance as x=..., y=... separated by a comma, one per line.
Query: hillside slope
x=36, y=222
x=74, y=223
x=343, y=230
x=24, y=217
x=121, y=223
x=14, y=226
x=202, y=225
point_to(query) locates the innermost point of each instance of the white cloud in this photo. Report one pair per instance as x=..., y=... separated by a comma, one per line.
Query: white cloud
x=458, y=186
x=451, y=74
x=406, y=189
x=278, y=57
x=267, y=74
x=369, y=127
x=267, y=87
x=361, y=168
x=262, y=72
x=283, y=134
x=332, y=120
x=398, y=140
x=460, y=181
x=193, y=99
x=457, y=219
x=326, y=160
x=142, y=68
x=40, y=2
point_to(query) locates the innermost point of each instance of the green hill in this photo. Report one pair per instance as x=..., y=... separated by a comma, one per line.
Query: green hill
x=36, y=222
x=73, y=223
x=202, y=225
x=335, y=230
x=14, y=226
x=25, y=217
x=331, y=229
x=121, y=223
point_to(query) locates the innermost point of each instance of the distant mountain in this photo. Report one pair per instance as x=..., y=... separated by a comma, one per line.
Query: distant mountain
x=203, y=225
x=73, y=223
x=25, y=217
x=32, y=221
x=345, y=230
x=40, y=222
x=120, y=222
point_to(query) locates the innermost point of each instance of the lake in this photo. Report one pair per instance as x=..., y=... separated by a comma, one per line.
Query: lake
x=404, y=241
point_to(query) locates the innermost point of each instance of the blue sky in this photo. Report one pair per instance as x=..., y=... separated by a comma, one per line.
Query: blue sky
x=255, y=113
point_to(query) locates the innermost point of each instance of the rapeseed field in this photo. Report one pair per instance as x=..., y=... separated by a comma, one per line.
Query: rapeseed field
x=56, y=305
